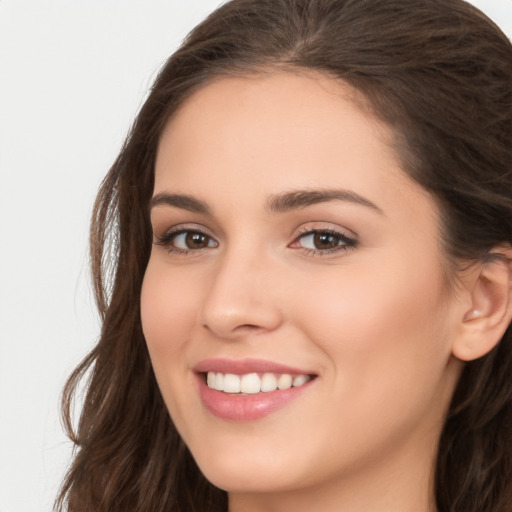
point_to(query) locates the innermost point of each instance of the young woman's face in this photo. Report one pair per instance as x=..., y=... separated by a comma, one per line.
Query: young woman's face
x=291, y=250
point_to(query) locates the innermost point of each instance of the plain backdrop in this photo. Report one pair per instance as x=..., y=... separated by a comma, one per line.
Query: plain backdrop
x=73, y=74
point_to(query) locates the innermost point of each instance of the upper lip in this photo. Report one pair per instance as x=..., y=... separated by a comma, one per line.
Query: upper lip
x=244, y=366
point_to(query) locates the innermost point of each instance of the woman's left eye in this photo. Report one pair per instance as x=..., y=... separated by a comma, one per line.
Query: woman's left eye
x=323, y=241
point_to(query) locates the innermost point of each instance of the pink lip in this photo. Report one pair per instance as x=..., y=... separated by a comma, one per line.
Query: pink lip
x=242, y=366
x=245, y=407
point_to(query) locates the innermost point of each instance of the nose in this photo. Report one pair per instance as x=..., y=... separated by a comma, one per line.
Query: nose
x=241, y=298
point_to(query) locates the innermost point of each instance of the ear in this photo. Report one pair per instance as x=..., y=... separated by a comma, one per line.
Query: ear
x=489, y=289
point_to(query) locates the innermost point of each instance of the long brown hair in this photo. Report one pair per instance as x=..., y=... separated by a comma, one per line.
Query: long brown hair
x=440, y=74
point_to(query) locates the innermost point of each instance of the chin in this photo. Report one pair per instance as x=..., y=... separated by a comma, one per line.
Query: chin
x=248, y=473
x=247, y=480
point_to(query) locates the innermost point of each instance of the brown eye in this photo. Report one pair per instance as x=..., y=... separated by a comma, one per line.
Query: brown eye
x=188, y=241
x=324, y=241
x=196, y=240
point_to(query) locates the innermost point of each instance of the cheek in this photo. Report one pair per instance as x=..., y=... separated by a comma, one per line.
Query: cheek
x=387, y=347
x=380, y=323
x=168, y=312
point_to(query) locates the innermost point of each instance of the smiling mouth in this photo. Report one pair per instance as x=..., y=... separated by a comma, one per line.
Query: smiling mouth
x=253, y=383
x=249, y=389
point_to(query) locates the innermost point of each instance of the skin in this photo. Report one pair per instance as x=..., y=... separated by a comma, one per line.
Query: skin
x=376, y=321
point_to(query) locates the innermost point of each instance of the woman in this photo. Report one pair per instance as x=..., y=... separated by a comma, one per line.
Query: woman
x=302, y=259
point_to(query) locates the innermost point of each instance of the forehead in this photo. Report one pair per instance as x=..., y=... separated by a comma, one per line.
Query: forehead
x=277, y=131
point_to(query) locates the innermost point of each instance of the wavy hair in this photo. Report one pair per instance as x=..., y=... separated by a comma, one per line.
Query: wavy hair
x=439, y=73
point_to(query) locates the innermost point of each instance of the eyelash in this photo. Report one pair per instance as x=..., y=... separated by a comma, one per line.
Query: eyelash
x=166, y=240
x=345, y=243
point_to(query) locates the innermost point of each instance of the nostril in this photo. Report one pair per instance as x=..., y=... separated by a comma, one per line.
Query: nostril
x=235, y=332
x=248, y=327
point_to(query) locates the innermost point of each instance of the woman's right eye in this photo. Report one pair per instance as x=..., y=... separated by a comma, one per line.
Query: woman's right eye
x=185, y=240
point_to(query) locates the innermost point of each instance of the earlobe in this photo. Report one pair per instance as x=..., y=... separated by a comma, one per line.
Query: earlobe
x=486, y=320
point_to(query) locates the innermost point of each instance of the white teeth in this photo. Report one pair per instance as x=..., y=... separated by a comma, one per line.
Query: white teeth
x=252, y=383
x=231, y=383
x=284, y=381
x=219, y=381
x=300, y=380
x=268, y=382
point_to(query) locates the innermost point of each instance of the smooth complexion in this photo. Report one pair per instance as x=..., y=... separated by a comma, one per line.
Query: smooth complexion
x=343, y=282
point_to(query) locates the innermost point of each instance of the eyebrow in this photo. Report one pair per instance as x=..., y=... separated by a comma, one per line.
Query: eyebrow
x=183, y=201
x=280, y=203
x=298, y=199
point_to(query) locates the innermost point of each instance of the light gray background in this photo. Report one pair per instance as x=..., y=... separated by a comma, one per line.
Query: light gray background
x=72, y=77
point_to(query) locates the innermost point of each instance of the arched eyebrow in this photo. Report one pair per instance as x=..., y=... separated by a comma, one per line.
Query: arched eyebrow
x=183, y=201
x=299, y=199
x=279, y=203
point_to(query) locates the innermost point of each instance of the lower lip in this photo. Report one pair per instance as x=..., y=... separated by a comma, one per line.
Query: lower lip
x=246, y=407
